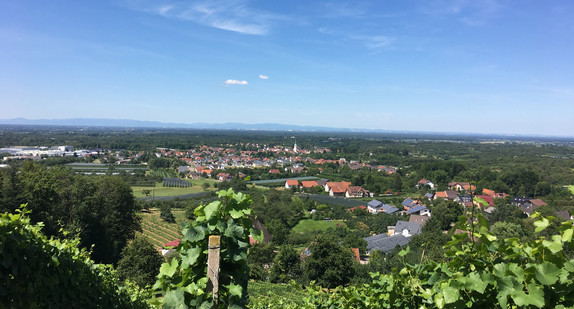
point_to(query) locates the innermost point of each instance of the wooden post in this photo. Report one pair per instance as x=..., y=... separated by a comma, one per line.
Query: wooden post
x=213, y=264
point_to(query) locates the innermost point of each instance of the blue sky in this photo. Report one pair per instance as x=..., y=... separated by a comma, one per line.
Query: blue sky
x=450, y=66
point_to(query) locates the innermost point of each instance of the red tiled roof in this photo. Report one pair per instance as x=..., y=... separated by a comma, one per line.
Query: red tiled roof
x=173, y=243
x=537, y=202
x=357, y=207
x=309, y=184
x=292, y=182
x=488, y=192
x=441, y=194
x=487, y=198
x=354, y=190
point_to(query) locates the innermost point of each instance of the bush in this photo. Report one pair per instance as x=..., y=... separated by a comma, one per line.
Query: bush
x=37, y=272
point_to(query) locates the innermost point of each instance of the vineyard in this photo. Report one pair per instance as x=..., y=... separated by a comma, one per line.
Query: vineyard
x=158, y=231
x=162, y=173
x=176, y=182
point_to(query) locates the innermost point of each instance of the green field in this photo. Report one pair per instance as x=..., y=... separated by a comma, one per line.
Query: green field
x=571, y=188
x=309, y=225
x=160, y=190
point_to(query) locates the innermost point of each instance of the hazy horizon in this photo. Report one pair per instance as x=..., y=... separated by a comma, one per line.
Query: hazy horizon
x=484, y=66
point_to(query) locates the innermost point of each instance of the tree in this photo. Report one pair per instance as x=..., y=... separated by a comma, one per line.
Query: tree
x=259, y=258
x=329, y=264
x=504, y=230
x=140, y=262
x=278, y=230
x=287, y=266
x=113, y=220
x=205, y=186
x=165, y=213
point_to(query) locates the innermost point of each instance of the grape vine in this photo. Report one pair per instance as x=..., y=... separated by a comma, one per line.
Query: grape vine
x=184, y=282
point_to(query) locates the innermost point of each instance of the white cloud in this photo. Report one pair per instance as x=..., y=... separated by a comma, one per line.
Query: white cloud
x=335, y=9
x=470, y=12
x=263, y=76
x=373, y=42
x=236, y=82
x=230, y=15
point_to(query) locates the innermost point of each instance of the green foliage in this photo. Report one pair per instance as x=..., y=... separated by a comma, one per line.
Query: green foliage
x=184, y=281
x=140, y=262
x=41, y=272
x=329, y=264
x=265, y=295
x=259, y=260
x=166, y=214
x=287, y=266
x=480, y=272
x=100, y=209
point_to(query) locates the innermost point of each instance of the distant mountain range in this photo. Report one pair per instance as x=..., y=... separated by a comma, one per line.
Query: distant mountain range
x=129, y=123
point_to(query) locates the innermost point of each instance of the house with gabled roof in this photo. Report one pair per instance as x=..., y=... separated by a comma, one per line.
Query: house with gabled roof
x=529, y=207
x=388, y=209
x=409, y=203
x=480, y=200
x=385, y=243
x=419, y=219
x=419, y=210
x=291, y=183
x=448, y=194
x=407, y=228
x=424, y=182
x=337, y=188
x=355, y=191
x=309, y=184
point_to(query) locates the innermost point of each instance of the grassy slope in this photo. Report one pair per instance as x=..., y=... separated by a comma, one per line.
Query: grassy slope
x=309, y=225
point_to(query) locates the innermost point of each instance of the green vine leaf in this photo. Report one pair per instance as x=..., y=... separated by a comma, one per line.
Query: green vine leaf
x=450, y=295
x=541, y=224
x=567, y=235
x=210, y=209
x=169, y=270
x=235, y=290
x=191, y=256
x=174, y=299
x=547, y=273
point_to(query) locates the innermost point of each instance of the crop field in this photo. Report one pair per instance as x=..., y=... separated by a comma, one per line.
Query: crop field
x=161, y=190
x=163, y=173
x=97, y=168
x=158, y=231
x=309, y=225
x=176, y=182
